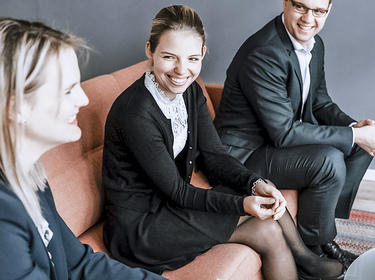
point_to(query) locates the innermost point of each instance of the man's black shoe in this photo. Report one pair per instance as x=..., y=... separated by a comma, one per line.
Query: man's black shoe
x=303, y=275
x=333, y=251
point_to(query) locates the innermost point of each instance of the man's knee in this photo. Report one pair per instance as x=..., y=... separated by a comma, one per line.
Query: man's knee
x=330, y=164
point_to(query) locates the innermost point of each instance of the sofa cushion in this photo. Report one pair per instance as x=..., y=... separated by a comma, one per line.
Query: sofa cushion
x=101, y=92
x=74, y=169
x=76, y=188
x=215, y=93
x=94, y=237
x=125, y=77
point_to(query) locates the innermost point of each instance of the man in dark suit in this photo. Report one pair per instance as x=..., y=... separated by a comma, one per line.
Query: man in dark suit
x=278, y=119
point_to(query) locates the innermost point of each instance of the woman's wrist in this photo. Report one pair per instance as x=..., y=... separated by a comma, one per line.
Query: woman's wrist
x=254, y=185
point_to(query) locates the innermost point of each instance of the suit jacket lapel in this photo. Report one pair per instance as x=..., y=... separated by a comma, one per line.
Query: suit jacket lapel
x=296, y=97
x=290, y=49
x=307, y=112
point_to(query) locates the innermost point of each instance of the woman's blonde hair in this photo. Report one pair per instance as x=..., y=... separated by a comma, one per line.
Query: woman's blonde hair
x=176, y=17
x=25, y=49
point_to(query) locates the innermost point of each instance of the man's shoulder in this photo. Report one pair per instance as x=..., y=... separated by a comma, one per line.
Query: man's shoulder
x=318, y=42
x=267, y=42
x=264, y=36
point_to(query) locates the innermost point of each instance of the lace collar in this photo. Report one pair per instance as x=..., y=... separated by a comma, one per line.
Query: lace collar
x=175, y=110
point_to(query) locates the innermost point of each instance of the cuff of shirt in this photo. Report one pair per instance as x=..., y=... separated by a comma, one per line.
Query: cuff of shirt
x=351, y=125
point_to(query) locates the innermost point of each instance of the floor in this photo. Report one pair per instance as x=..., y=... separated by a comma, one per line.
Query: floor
x=365, y=199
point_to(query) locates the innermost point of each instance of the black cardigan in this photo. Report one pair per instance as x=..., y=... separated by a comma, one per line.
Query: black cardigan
x=139, y=170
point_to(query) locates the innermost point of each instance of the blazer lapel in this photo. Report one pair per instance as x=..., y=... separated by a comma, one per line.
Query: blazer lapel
x=289, y=48
x=55, y=247
x=307, y=111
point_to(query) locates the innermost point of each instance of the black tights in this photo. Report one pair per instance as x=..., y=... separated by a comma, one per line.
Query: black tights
x=281, y=248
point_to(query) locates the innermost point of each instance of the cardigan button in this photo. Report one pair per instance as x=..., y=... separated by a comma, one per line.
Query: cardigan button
x=190, y=147
x=190, y=162
x=188, y=131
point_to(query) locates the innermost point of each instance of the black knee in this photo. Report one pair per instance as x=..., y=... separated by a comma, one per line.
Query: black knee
x=330, y=166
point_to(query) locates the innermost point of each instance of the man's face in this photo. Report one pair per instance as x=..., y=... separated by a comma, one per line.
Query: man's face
x=304, y=25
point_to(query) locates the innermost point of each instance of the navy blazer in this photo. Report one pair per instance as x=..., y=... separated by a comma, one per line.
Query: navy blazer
x=24, y=256
x=262, y=97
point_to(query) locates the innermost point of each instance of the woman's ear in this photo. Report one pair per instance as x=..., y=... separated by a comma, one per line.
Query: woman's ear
x=19, y=115
x=12, y=112
x=148, y=50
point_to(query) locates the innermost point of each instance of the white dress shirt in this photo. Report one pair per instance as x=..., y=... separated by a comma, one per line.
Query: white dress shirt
x=304, y=57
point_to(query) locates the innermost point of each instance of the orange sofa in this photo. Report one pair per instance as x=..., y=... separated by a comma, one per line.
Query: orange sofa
x=74, y=174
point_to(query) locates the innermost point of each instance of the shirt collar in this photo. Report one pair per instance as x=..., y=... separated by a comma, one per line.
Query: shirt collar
x=158, y=93
x=297, y=46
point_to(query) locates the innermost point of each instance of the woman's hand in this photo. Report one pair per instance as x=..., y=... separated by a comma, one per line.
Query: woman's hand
x=269, y=190
x=258, y=206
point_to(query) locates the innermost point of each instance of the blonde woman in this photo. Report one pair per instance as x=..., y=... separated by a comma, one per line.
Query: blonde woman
x=40, y=96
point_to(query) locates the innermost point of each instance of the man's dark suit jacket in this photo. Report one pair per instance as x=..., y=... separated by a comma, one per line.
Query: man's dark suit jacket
x=262, y=98
x=24, y=256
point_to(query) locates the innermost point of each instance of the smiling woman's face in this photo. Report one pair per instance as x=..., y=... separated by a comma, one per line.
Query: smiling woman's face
x=50, y=111
x=177, y=60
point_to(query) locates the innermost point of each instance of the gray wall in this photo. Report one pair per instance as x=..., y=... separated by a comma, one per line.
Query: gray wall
x=118, y=29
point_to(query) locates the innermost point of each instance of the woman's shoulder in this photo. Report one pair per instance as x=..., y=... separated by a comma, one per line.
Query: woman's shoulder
x=11, y=208
x=195, y=94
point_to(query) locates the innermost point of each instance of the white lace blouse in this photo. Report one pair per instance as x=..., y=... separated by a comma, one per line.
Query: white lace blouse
x=175, y=110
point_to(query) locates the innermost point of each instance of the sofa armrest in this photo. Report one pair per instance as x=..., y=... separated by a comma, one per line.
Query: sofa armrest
x=215, y=92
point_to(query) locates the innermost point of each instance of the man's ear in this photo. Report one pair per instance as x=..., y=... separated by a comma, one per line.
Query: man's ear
x=329, y=8
x=148, y=50
x=204, y=50
x=284, y=4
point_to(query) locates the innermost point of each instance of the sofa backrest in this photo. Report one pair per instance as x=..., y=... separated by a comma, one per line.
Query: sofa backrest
x=74, y=169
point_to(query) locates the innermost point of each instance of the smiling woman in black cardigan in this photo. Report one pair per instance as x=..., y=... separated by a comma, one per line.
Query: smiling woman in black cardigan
x=159, y=130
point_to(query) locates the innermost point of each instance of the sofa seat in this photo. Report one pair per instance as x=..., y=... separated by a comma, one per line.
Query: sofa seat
x=74, y=174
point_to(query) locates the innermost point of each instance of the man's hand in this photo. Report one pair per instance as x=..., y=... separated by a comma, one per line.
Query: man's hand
x=363, y=123
x=364, y=135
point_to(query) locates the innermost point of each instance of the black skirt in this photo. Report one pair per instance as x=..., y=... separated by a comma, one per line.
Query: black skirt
x=168, y=237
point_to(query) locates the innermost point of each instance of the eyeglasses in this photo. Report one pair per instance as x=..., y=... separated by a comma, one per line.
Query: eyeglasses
x=302, y=9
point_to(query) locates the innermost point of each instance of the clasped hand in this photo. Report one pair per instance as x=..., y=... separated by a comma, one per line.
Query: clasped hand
x=364, y=132
x=267, y=202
